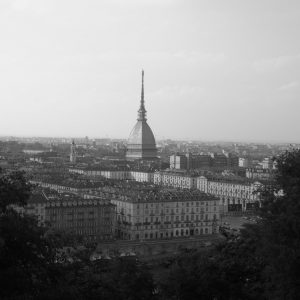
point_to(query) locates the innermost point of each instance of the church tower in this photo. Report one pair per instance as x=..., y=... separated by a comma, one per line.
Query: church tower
x=141, y=143
x=73, y=153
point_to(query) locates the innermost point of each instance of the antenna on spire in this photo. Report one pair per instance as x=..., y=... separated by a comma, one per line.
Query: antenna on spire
x=142, y=96
x=142, y=110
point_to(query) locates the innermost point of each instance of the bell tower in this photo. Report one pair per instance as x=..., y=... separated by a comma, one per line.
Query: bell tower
x=73, y=153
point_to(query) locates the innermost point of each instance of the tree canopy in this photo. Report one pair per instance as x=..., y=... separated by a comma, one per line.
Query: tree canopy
x=263, y=262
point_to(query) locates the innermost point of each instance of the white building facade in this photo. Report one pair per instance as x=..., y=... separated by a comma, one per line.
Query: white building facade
x=176, y=180
x=233, y=195
x=166, y=218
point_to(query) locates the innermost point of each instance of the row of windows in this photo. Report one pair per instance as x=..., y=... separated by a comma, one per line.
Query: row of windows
x=161, y=235
x=167, y=211
x=197, y=203
x=166, y=218
x=79, y=213
x=165, y=226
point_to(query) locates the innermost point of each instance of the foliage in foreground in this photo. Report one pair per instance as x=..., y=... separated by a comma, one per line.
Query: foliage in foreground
x=262, y=263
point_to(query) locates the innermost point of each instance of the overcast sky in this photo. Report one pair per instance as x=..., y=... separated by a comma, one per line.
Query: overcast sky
x=214, y=70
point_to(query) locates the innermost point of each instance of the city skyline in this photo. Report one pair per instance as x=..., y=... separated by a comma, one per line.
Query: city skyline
x=213, y=72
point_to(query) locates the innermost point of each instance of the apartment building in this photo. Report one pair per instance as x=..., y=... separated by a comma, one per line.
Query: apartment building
x=93, y=219
x=176, y=179
x=115, y=174
x=235, y=194
x=165, y=213
x=261, y=174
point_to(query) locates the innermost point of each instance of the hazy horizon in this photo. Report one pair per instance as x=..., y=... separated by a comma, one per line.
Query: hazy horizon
x=214, y=71
x=157, y=139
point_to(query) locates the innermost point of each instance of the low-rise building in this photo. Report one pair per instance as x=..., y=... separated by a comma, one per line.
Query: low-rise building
x=244, y=162
x=257, y=173
x=198, y=161
x=177, y=179
x=72, y=187
x=116, y=174
x=165, y=213
x=141, y=176
x=178, y=161
x=269, y=163
x=93, y=219
x=192, y=161
x=235, y=194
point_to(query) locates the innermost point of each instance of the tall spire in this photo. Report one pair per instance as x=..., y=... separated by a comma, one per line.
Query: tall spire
x=142, y=110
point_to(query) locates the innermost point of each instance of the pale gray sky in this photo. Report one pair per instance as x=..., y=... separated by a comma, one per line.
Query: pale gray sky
x=226, y=70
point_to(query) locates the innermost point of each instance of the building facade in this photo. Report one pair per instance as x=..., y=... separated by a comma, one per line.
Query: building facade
x=191, y=161
x=175, y=179
x=171, y=215
x=116, y=174
x=268, y=163
x=93, y=219
x=234, y=195
x=257, y=173
x=178, y=161
x=244, y=162
x=198, y=161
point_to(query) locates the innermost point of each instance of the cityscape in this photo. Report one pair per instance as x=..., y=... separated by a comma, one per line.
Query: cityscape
x=141, y=190
x=87, y=215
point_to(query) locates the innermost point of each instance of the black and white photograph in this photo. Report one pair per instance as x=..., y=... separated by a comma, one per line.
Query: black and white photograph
x=150, y=150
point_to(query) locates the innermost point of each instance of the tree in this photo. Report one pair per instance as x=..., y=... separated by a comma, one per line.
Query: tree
x=193, y=276
x=120, y=278
x=263, y=262
x=25, y=255
x=14, y=189
x=280, y=230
